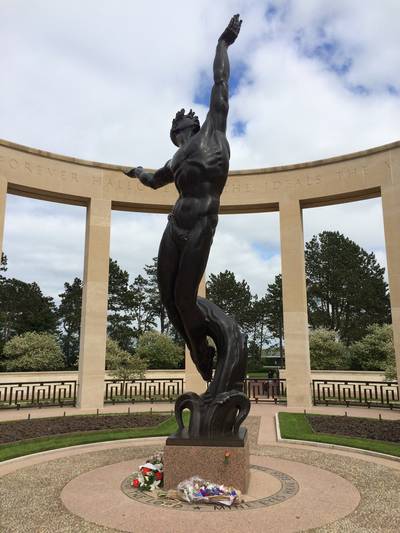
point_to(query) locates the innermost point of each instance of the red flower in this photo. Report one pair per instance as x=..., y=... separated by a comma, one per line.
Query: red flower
x=136, y=483
x=159, y=476
x=145, y=470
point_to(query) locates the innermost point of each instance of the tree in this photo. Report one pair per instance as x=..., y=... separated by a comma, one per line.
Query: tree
x=32, y=352
x=123, y=365
x=69, y=312
x=119, y=307
x=159, y=350
x=130, y=307
x=346, y=288
x=375, y=350
x=327, y=352
x=254, y=362
x=142, y=309
x=232, y=296
x=3, y=263
x=391, y=369
x=274, y=312
x=154, y=297
x=23, y=308
x=258, y=332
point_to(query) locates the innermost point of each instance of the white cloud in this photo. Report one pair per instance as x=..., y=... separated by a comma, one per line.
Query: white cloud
x=135, y=238
x=248, y=245
x=44, y=242
x=296, y=111
x=361, y=222
x=102, y=80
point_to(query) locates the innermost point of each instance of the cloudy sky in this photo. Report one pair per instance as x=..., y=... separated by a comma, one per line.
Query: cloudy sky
x=101, y=80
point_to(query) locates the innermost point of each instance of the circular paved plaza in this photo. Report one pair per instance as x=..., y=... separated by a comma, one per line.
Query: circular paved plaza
x=292, y=488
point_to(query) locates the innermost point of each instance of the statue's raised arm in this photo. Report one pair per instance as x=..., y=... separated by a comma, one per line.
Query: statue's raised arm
x=219, y=104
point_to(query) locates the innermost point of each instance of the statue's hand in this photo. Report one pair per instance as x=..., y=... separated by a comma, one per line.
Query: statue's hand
x=229, y=35
x=134, y=172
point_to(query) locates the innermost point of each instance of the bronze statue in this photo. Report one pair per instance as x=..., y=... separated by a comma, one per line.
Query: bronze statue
x=199, y=170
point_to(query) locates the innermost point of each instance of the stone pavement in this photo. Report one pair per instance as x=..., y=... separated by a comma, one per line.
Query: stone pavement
x=293, y=487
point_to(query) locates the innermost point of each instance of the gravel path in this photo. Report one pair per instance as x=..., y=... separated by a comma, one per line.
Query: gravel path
x=379, y=487
x=30, y=502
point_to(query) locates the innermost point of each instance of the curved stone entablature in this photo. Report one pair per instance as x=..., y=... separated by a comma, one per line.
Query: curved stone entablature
x=51, y=176
x=102, y=187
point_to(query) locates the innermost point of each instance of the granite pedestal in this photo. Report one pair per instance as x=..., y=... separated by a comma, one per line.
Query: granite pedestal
x=184, y=458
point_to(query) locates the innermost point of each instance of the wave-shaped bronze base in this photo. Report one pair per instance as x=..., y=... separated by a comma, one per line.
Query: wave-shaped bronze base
x=217, y=414
x=212, y=419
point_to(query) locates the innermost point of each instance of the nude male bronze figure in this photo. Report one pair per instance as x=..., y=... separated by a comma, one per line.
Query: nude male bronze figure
x=199, y=170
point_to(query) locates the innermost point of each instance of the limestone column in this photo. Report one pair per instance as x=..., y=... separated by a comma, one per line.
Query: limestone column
x=3, y=197
x=193, y=381
x=295, y=320
x=94, y=305
x=391, y=219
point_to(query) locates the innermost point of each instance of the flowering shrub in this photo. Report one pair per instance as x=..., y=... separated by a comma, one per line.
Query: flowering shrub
x=150, y=475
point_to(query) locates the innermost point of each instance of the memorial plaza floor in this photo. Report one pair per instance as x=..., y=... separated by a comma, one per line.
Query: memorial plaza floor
x=293, y=487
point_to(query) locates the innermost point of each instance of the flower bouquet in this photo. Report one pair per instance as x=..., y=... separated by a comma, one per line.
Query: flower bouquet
x=197, y=490
x=150, y=475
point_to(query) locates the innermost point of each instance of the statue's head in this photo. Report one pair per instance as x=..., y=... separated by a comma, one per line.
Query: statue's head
x=184, y=126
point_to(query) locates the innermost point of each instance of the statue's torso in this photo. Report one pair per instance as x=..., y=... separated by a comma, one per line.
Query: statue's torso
x=200, y=169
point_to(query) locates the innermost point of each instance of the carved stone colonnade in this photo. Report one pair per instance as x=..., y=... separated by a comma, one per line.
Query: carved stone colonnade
x=287, y=189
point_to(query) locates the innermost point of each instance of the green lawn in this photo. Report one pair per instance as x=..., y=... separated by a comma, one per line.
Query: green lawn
x=17, y=449
x=296, y=426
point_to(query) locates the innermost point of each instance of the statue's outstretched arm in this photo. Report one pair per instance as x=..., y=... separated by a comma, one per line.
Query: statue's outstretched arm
x=158, y=179
x=219, y=104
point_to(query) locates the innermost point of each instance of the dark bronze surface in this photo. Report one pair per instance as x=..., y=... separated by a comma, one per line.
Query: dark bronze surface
x=199, y=170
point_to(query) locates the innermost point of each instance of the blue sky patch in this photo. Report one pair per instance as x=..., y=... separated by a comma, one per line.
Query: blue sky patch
x=239, y=72
x=393, y=90
x=271, y=11
x=202, y=93
x=359, y=89
x=239, y=128
x=326, y=50
x=203, y=89
x=274, y=11
x=263, y=251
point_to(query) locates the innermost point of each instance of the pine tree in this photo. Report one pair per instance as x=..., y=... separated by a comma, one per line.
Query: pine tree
x=232, y=296
x=24, y=308
x=120, y=307
x=69, y=312
x=346, y=287
x=274, y=312
x=154, y=295
x=142, y=309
